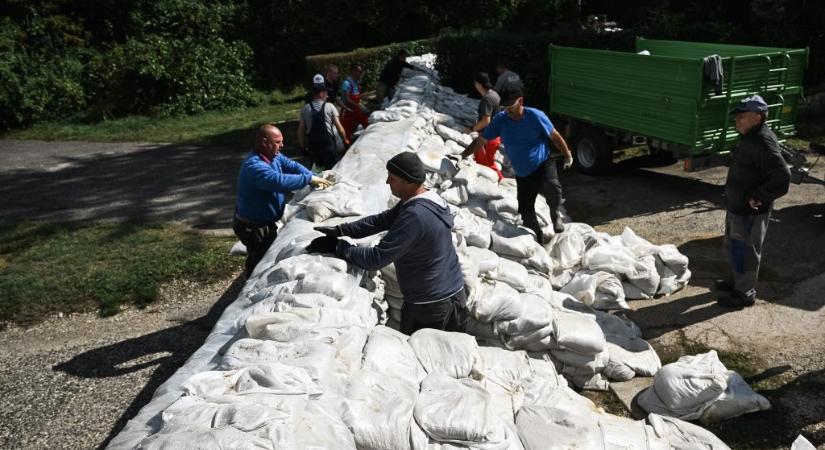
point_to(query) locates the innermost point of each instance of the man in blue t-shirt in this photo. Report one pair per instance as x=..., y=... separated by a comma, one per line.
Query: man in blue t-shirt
x=526, y=134
x=265, y=177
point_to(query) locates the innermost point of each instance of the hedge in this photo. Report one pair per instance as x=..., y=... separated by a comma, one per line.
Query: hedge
x=371, y=59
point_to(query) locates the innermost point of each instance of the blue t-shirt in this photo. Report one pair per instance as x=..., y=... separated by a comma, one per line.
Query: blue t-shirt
x=525, y=141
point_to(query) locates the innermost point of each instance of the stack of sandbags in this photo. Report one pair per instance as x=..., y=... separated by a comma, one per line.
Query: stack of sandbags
x=700, y=388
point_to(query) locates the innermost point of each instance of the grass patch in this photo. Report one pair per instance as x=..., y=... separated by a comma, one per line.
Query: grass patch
x=207, y=127
x=73, y=267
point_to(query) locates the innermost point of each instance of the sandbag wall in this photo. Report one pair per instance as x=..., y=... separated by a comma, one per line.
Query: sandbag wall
x=302, y=359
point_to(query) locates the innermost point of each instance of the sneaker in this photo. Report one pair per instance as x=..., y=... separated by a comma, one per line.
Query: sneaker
x=735, y=300
x=723, y=284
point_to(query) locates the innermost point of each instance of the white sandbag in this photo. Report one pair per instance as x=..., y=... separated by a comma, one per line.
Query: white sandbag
x=486, y=259
x=334, y=284
x=513, y=273
x=188, y=437
x=624, y=433
x=460, y=412
x=511, y=240
x=275, y=378
x=538, y=340
x=388, y=352
x=455, y=195
x=630, y=356
x=437, y=162
x=549, y=428
x=570, y=362
x=296, y=267
x=238, y=249
x=485, y=189
x=384, y=116
x=455, y=354
x=700, y=387
x=497, y=302
x=453, y=147
x=450, y=134
x=317, y=358
x=475, y=230
x=540, y=261
x=685, y=435
x=535, y=313
x=477, y=207
x=343, y=199
x=800, y=443
x=616, y=259
x=600, y=290
x=380, y=410
x=578, y=333
x=505, y=368
x=507, y=205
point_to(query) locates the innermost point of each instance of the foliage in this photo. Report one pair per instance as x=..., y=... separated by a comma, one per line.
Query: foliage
x=462, y=55
x=371, y=59
x=72, y=267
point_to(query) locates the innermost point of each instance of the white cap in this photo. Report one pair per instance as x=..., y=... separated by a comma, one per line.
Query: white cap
x=318, y=79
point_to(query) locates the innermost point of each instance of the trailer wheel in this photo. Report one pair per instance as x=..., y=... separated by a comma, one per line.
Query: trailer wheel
x=593, y=153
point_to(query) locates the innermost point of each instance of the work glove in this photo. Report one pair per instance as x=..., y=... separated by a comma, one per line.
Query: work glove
x=323, y=244
x=335, y=231
x=568, y=161
x=320, y=183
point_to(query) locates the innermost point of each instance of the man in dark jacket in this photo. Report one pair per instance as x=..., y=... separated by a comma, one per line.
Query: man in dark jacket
x=419, y=242
x=758, y=175
x=390, y=74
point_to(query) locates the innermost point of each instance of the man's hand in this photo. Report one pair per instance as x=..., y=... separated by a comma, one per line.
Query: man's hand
x=330, y=231
x=320, y=183
x=323, y=244
x=568, y=161
x=754, y=203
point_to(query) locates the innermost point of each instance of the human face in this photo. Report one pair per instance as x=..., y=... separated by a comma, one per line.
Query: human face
x=271, y=143
x=356, y=74
x=333, y=74
x=745, y=121
x=399, y=186
x=516, y=110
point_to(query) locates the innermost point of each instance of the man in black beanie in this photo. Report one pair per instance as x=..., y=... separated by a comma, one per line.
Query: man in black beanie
x=420, y=244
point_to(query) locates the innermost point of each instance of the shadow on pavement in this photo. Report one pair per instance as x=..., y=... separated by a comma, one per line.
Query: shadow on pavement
x=191, y=183
x=180, y=342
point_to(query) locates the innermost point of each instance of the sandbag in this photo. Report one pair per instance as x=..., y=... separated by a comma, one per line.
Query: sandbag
x=512, y=273
x=380, y=410
x=497, y=302
x=684, y=435
x=343, y=199
x=578, y=333
x=600, y=290
x=455, y=354
x=549, y=428
x=512, y=241
x=388, y=352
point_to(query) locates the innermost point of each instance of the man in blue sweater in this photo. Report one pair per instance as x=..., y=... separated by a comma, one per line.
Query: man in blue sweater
x=266, y=176
x=529, y=137
x=420, y=244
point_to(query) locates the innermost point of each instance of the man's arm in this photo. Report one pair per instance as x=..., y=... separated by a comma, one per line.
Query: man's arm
x=340, y=128
x=777, y=176
x=481, y=124
x=269, y=179
x=475, y=145
x=370, y=225
x=558, y=140
x=292, y=167
x=393, y=246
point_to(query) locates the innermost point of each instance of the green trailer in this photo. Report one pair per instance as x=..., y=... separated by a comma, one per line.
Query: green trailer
x=610, y=101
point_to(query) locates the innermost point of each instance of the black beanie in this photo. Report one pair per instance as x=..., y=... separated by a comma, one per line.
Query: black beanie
x=408, y=166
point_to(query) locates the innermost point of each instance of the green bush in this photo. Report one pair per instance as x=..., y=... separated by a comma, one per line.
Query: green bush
x=462, y=55
x=40, y=76
x=372, y=59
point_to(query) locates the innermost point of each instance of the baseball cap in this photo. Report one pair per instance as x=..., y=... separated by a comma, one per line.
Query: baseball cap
x=483, y=79
x=510, y=97
x=318, y=79
x=750, y=104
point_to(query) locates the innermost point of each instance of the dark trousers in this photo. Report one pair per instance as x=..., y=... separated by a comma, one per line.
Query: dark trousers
x=324, y=156
x=744, y=236
x=449, y=314
x=544, y=181
x=257, y=237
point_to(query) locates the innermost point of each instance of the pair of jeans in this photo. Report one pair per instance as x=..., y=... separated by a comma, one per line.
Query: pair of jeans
x=544, y=181
x=744, y=236
x=257, y=237
x=449, y=314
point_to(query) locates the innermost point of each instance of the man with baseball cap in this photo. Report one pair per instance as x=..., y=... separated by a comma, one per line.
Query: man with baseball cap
x=758, y=175
x=529, y=137
x=487, y=108
x=418, y=241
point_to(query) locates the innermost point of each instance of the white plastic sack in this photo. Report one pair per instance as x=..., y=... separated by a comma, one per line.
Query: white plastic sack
x=550, y=428
x=512, y=241
x=685, y=435
x=388, y=352
x=600, y=290
x=455, y=354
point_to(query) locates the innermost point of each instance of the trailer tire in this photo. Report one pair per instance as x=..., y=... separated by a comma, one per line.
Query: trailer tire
x=592, y=152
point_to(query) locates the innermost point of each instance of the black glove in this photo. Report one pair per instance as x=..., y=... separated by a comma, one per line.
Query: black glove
x=323, y=244
x=330, y=231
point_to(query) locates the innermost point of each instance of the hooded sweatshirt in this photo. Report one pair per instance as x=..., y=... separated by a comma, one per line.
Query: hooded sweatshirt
x=419, y=242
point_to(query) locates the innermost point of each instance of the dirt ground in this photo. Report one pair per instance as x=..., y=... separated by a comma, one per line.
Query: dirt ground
x=73, y=382
x=778, y=344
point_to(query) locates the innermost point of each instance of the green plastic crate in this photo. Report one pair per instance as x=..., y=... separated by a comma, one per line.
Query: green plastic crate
x=665, y=95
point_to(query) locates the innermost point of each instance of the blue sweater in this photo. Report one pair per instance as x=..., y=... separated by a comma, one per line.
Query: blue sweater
x=526, y=141
x=262, y=185
x=420, y=244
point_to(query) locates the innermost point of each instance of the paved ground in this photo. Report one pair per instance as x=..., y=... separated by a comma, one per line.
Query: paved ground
x=72, y=382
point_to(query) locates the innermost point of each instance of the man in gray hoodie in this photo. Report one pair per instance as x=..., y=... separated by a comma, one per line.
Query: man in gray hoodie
x=758, y=175
x=419, y=242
